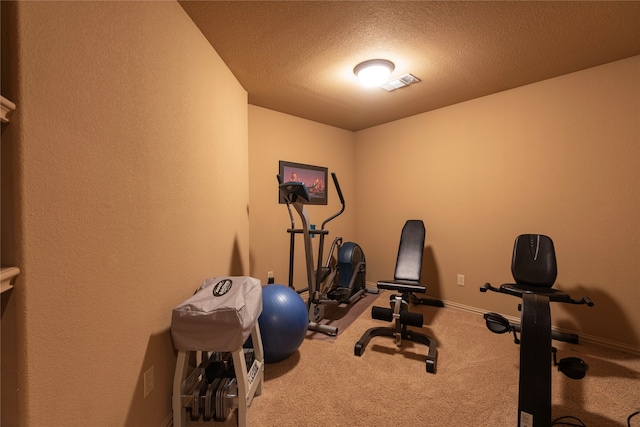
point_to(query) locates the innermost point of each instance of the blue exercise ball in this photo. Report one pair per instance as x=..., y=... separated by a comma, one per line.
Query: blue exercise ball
x=283, y=322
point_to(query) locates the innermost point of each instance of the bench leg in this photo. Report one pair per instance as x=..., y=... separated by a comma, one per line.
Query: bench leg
x=179, y=411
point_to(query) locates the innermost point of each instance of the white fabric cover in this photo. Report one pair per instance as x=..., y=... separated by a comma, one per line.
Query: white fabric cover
x=219, y=316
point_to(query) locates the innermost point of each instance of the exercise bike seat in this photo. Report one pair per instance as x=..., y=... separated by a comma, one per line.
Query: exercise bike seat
x=554, y=295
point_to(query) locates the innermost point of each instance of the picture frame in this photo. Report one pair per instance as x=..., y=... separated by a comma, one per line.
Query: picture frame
x=313, y=177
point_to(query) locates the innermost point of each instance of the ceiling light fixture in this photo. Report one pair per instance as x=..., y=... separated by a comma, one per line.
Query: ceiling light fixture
x=374, y=72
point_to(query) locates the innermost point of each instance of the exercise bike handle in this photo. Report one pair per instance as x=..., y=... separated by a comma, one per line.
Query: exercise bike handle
x=487, y=287
x=584, y=300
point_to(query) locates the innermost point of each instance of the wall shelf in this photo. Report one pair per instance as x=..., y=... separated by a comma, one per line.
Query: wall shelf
x=6, y=277
x=7, y=273
x=6, y=108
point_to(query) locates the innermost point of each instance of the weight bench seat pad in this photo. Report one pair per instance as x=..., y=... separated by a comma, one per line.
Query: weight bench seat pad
x=219, y=316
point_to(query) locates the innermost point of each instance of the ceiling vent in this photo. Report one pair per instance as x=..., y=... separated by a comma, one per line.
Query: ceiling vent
x=401, y=81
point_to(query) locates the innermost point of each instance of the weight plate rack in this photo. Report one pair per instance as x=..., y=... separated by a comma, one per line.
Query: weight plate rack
x=211, y=390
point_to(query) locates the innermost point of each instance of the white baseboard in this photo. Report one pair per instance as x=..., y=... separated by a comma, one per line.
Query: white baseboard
x=583, y=337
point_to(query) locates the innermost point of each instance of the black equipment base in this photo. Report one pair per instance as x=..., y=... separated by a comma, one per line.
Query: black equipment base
x=406, y=334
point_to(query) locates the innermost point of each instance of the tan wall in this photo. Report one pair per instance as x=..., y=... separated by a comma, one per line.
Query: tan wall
x=560, y=157
x=273, y=137
x=131, y=151
x=131, y=154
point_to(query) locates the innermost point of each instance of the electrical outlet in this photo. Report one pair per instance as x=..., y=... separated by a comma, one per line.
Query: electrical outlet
x=149, y=381
x=460, y=279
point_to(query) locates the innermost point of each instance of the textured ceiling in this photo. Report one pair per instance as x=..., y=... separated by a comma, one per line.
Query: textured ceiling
x=297, y=57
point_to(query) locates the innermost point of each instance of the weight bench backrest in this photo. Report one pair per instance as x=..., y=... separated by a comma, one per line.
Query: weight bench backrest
x=534, y=261
x=409, y=261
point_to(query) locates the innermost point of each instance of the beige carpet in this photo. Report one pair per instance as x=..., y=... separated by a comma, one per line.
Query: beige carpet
x=476, y=382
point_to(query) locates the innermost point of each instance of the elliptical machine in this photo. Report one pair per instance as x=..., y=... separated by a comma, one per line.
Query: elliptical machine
x=335, y=282
x=534, y=269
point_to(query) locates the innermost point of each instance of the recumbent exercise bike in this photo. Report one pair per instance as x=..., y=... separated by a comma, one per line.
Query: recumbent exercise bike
x=534, y=270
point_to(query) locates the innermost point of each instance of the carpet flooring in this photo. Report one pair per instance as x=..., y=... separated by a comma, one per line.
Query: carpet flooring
x=324, y=384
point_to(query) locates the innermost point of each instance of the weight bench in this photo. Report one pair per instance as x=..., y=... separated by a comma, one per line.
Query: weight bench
x=406, y=281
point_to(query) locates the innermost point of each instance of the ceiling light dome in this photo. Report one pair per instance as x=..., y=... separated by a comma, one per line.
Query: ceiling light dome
x=374, y=72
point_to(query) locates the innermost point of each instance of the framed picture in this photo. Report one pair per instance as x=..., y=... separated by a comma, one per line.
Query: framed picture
x=313, y=177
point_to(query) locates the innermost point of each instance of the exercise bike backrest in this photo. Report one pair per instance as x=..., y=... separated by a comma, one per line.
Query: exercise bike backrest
x=534, y=261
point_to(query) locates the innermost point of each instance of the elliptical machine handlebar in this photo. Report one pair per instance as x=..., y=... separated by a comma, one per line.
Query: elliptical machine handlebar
x=337, y=184
x=339, y=191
